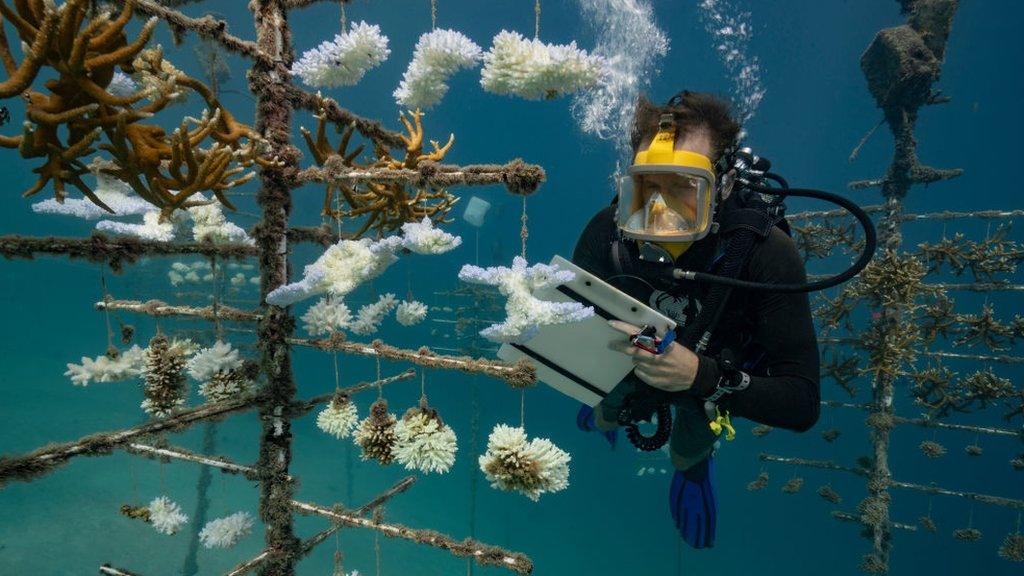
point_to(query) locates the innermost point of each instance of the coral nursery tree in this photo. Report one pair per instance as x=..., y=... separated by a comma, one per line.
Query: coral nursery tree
x=901, y=322
x=78, y=113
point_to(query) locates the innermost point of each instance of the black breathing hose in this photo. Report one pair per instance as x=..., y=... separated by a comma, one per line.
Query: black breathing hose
x=870, y=244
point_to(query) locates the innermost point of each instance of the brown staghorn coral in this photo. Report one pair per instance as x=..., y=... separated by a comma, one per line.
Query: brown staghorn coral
x=85, y=48
x=383, y=205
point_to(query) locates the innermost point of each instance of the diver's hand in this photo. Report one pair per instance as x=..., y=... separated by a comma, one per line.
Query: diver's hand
x=674, y=370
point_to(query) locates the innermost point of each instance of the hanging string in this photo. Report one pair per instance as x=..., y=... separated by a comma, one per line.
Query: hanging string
x=218, y=329
x=380, y=387
x=106, y=309
x=423, y=385
x=522, y=408
x=536, y=19
x=433, y=14
x=524, y=232
x=378, y=517
x=344, y=20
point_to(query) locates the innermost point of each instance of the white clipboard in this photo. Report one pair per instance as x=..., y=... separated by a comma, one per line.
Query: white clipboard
x=574, y=358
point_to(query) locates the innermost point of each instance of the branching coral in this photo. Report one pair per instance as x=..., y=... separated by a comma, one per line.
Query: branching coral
x=227, y=531
x=112, y=192
x=385, y=205
x=328, y=315
x=984, y=329
x=410, y=313
x=892, y=279
x=525, y=312
x=531, y=468
x=339, y=418
x=376, y=434
x=166, y=387
x=218, y=369
x=438, y=55
x=844, y=370
x=758, y=483
x=532, y=69
x=86, y=49
x=793, y=485
x=967, y=534
x=937, y=318
x=369, y=316
x=829, y=494
x=932, y=449
x=113, y=366
x=349, y=263
x=1012, y=548
x=819, y=240
x=166, y=516
x=344, y=60
x=339, y=270
x=423, y=441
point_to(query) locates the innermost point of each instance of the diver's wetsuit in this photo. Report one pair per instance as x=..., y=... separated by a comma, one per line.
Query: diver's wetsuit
x=772, y=333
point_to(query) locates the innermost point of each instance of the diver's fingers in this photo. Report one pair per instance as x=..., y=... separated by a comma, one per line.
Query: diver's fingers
x=624, y=327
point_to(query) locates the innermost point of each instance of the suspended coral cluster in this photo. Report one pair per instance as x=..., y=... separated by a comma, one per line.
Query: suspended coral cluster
x=339, y=418
x=525, y=312
x=376, y=434
x=514, y=65
x=227, y=531
x=166, y=388
x=219, y=371
x=534, y=70
x=438, y=55
x=344, y=60
x=349, y=263
x=423, y=441
x=114, y=366
x=530, y=467
x=166, y=516
x=85, y=49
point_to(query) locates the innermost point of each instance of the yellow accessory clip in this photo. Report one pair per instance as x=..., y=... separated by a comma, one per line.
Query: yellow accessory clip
x=722, y=423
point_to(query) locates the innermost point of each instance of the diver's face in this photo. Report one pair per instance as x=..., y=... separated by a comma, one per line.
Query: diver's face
x=678, y=191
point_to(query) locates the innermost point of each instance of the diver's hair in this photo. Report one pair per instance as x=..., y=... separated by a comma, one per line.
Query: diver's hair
x=693, y=111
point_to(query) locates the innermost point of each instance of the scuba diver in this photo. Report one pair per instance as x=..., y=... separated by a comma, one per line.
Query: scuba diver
x=698, y=232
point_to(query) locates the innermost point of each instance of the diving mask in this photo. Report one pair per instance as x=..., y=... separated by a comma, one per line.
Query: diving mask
x=667, y=195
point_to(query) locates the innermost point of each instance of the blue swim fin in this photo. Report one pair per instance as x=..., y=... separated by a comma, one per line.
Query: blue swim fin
x=692, y=503
x=585, y=422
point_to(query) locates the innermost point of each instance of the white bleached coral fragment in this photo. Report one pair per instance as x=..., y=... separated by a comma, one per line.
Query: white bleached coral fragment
x=340, y=269
x=344, y=60
x=210, y=225
x=226, y=532
x=370, y=316
x=423, y=442
x=111, y=191
x=531, y=468
x=339, y=418
x=326, y=316
x=166, y=516
x=525, y=313
x=534, y=70
x=438, y=55
x=422, y=238
x=410, y=313
x=126, y=365
x=150, y=229
x=221, y=357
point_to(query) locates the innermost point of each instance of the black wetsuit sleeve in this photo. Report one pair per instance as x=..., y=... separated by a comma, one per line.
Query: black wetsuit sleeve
x=788, y=395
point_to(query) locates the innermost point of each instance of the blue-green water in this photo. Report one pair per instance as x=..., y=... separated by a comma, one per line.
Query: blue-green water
x=609, y=521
